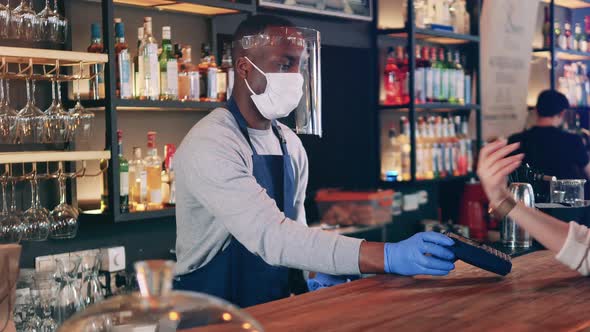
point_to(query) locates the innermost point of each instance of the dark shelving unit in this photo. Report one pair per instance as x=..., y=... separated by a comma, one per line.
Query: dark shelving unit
x=411, y=34
x=114, y=104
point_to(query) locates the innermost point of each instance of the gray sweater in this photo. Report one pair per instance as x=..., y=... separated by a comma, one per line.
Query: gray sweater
x=218, y=200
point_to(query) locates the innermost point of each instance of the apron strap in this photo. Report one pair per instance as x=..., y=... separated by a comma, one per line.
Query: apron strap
x=235, y=111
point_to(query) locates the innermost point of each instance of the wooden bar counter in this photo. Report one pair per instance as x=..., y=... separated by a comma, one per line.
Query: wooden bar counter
x=539, y=295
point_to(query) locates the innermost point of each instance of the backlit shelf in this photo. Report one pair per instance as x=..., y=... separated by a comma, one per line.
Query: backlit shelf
x=441, y=107
x=432, y=36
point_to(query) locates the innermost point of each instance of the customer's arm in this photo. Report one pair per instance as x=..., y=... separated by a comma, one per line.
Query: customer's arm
x=571, y=242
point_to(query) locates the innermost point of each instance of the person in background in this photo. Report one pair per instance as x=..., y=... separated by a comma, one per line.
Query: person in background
x=242, y=180
x=548, y=148
x=571, y=243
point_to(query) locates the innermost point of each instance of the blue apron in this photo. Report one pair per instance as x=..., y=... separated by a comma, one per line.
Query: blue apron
x=235, y=274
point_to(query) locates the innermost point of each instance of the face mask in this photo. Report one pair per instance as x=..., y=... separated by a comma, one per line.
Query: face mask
x=281, y=96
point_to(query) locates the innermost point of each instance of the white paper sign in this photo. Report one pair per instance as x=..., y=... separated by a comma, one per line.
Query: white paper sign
x=507, y=28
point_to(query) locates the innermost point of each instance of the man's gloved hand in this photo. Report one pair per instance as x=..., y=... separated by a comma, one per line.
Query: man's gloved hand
x=322, y=280
x=423, y=253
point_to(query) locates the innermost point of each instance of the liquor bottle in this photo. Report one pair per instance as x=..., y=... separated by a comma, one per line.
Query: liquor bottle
x=228, y=61
x=569, y=37
x=104, y=195
x=428, y=74
x=188, y=76
x=453, y=148
x=204, y=72
x=406, y=149
x=443, y=13
x=390, y=79
x=445, y=149
x=137, y=181
x=96, y=46
x=401, y=76
x=396, y=154
x=137, y=79
x=123, y=63
x=225, y=75
x=547, y=30
x=123, y=175
x=420, y=171
x=435, y=154
x=460, y=17
x=459, y=79
x=577, y=40
x=213, y=74
x=444, y=77
x=427, y=133
x=467, y=84
x=168, y=68
x=468, y=146
x=459, y=151
x=153, y=164
x=560, y=36
x=441, y=147
x=451, y=75
x=405, y=68
x=436, y=75
x=167, y=176
x=420, y=77
x=149, y=67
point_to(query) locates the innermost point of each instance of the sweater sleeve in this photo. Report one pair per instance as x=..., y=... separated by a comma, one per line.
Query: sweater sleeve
x=574, y=252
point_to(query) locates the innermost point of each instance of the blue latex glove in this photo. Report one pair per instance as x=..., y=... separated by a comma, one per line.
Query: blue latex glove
x=322, y=280
x=423, y=253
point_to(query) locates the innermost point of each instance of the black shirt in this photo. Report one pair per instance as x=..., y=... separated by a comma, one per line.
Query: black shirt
x=553, y=151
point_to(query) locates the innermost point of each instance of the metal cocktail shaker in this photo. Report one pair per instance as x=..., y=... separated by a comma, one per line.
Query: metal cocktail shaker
x=513, y=235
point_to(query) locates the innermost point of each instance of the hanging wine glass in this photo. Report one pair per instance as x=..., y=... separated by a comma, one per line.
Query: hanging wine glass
x=62, y=24
x=8, y=115
x=64, y=218
x=57, y=123
x=10, y=224
x=24, y=21
x=14, y=17
x=68, y=298
x=4, y=19
x=83, y=119
x=48, y=23
x=30, y=121
x=35, y=220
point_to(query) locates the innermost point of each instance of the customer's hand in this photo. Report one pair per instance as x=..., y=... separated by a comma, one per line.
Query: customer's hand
x=423, y=253
x=494, y=166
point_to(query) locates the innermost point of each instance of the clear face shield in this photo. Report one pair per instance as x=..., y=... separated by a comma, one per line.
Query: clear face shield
x=295, y=50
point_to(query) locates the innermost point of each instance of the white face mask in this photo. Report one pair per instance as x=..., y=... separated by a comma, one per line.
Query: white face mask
x=281, y=96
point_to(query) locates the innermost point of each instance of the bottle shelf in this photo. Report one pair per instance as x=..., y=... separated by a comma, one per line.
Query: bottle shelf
x=441, y=107
x=165, y=105
x=52, y=156
x=36, y=56
x=571, y=4
x=150, y=105
x=197, y=7
x=385, y=183
x=566, y=55
x=431, y=36
x=143, y=215
x=102, y=217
